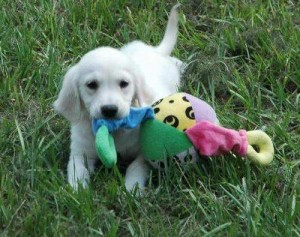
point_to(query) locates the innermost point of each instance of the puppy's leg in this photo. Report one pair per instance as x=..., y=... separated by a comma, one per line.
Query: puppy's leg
x=137, y=174
x=83, y=155
x=79, y=170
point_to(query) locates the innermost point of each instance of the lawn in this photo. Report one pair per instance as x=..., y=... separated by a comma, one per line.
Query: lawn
x=244, y=59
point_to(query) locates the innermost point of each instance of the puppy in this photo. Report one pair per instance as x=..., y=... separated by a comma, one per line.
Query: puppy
x=104, y=84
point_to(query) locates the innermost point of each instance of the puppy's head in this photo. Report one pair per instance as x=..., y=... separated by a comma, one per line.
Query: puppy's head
x=103, y=84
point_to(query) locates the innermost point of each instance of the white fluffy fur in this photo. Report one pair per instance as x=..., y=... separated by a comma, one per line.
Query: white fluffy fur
x=149, y=74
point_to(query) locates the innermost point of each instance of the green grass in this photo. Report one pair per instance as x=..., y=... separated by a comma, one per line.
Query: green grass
x=243, y=59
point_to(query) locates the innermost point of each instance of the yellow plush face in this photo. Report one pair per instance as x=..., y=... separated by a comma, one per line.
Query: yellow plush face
x=176, y=111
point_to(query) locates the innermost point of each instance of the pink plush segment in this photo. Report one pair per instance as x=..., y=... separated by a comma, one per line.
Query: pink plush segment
x=212, y=140
x=202, y=110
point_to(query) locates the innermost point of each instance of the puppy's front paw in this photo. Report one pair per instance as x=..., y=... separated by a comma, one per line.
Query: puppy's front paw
x=136, y=175
x=135, y=188
x=79, y=176
x=131, y=184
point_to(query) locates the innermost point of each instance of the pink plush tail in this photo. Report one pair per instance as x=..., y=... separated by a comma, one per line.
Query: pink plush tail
x=212, y=140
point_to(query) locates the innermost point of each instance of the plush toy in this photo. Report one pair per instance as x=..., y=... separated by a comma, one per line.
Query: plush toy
x=183, y=125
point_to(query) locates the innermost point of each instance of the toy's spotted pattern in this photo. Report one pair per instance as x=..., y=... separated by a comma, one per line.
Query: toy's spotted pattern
x=185, y=99
x=157, y=102
x=167, y=111
x=156, y=110
x=190, y=113
x=172, y=121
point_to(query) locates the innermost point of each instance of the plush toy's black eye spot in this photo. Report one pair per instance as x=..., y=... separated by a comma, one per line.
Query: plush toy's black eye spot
x=185, y=99
x=157, y=102
x=123, y=84
x=177, y=159
x=172, y=121
x=171, y=101
x=156, y=110
x=93, y=85
x=189, y=112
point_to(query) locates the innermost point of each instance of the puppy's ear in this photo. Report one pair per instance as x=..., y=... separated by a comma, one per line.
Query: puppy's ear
x=68, y=102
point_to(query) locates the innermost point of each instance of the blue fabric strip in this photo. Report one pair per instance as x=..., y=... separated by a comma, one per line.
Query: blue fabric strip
x=136, y=117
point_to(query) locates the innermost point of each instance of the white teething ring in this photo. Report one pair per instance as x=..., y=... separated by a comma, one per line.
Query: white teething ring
x=264, y=144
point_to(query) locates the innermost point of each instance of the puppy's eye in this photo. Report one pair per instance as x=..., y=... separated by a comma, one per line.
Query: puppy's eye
x=124, y=84
x=93, y=85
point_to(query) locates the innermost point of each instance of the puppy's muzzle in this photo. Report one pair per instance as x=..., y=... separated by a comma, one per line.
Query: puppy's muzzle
x=109, y=111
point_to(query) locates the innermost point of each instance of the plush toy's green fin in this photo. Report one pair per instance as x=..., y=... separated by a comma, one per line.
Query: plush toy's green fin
x=105, y=147
x=159, y=140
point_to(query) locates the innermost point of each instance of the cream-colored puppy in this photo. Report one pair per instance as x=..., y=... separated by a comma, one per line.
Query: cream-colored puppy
x=104, y=84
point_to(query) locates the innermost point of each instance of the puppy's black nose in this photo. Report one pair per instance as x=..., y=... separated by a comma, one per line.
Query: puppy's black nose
x=109, y=111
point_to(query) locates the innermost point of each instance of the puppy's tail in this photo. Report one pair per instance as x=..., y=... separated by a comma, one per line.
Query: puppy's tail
x=168, y=42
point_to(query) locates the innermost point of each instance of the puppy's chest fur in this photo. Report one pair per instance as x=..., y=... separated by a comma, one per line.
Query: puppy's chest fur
x=127, y=143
